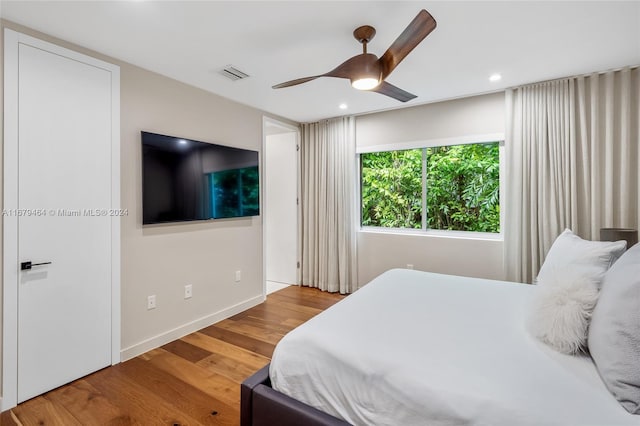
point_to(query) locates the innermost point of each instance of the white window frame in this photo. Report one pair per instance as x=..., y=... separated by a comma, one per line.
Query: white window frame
x=430, y=143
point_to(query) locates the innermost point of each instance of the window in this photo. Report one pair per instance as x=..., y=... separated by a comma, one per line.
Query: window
x=449, y=187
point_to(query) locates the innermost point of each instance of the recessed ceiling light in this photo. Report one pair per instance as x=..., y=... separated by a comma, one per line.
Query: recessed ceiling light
x=342, y=106
x=495, y=77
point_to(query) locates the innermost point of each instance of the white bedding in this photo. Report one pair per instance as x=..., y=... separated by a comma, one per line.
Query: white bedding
x=417, y=348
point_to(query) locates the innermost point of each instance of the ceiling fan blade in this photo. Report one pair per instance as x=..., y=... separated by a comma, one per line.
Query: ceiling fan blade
x=295, y=82
x=344, y=70
x=393, y=92
x=348, y=68
x=415, y=32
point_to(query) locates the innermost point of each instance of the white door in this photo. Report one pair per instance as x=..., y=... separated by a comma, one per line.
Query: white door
x=64, y=220
x=281, y=218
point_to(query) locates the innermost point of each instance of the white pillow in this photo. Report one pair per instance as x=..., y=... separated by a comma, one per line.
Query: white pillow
x=614, y=332
x=570, y=252
x=567, y=292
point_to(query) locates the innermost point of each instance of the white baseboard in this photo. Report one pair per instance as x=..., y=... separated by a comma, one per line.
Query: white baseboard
x=171, y=335
x=273, y=286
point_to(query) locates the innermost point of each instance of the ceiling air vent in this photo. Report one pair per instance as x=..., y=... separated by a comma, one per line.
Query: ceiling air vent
x=233, y=73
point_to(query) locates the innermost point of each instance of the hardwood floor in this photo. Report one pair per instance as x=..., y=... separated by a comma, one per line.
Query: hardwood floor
x=191, y=381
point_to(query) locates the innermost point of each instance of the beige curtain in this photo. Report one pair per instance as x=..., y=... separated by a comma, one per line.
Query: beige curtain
x=572, y=161
x=329, y=205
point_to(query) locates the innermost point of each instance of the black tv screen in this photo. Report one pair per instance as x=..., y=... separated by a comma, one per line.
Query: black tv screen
x=185, y=180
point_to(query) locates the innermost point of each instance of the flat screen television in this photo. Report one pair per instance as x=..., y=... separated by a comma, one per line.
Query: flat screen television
x=186, y=180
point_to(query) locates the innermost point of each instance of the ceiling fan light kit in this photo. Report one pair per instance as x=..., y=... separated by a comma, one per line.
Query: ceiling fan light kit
x=366, y=83
x=368, y=72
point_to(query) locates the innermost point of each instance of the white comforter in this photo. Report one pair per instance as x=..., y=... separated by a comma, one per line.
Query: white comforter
x=417, y=348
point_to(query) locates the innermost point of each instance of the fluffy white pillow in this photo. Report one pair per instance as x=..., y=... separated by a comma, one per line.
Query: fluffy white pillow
x=561, y=308
x=567, y=291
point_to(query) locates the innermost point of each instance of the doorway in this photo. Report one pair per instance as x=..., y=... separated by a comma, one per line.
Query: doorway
x=281, y=219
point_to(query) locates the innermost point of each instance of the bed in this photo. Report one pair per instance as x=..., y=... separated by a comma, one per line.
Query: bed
x=415, y=348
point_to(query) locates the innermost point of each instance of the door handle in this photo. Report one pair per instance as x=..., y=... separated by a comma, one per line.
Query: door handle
x=25, y=266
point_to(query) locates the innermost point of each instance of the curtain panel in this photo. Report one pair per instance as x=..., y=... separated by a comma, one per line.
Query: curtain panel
x=572, y=162
x=329, y=205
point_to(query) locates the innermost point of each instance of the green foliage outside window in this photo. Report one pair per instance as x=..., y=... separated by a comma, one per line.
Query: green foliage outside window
x=392, y=189
x=462, y=187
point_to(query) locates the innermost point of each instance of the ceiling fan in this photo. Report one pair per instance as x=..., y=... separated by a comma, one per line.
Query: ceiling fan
x=366, y=71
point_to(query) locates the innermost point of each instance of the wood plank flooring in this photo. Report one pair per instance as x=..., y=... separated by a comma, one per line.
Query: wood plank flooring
x=191, y=381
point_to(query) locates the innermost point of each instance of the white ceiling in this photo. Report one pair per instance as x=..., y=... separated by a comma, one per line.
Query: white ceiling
x=279, y=41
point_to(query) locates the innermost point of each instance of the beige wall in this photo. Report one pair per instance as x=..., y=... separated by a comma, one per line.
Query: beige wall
x=471, y=257
x=161, y=260
x=451, y=254
x=476, y=115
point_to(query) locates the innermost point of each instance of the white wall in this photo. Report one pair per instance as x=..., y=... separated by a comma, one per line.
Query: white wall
x=281, y=214
x=467, y=255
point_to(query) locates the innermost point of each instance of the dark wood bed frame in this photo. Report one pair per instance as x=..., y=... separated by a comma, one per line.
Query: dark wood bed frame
x=261, y=405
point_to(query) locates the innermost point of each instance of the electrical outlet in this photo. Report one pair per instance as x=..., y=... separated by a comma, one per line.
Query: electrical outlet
x=151, y=302
x=409, y=265
x=238, y=276
x=188, y=291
